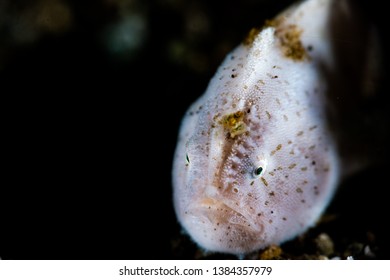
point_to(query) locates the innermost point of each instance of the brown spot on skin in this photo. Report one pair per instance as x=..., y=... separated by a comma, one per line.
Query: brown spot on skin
x=272, y=76
x=289, y=142
x=278, y=147
x=285, y=118
x=271, y=173
x=284, y=219
x=252, y=183
x=304, y=168
x=264, y=181
x=268, y=114
x=313, y=127
x=270, y=221
x=292, y=166
x=272, y=194
x=300, y=133
x=299, y=190
x=266, y=203
x=250, y=38
x=312, y=147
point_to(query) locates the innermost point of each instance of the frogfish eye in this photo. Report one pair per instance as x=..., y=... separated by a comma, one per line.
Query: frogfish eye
x=257, y=171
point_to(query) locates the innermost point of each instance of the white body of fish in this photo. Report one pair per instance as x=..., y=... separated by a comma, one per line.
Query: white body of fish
x=256, y=163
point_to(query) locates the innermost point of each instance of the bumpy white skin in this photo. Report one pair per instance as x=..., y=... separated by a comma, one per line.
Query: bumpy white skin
x=219, y=199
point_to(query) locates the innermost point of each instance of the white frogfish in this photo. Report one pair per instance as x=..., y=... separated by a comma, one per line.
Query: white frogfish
x=256, y=162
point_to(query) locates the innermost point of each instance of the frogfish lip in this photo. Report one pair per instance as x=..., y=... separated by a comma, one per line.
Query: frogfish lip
x=215, y=225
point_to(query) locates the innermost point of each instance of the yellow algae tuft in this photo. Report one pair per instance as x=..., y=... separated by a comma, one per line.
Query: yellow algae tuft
x=290, y=42
x=289, y=38
x=271, y=253
x=234, y=123
x=251, y=36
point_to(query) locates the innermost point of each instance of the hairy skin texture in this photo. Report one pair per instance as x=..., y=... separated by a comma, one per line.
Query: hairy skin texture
x=256, y=163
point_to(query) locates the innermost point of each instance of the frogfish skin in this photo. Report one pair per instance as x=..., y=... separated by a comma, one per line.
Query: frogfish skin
x=256, y=162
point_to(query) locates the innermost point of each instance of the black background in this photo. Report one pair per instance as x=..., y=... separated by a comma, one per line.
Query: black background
x=89, y=137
